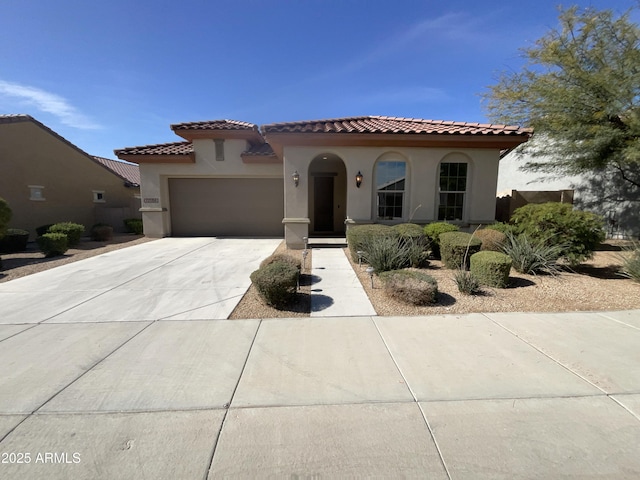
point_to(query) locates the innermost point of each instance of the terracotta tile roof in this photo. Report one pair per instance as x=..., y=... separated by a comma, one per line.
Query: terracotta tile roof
x=175, y=148
x=391, y=125
x=215, y=125
x=259, y=149
x=130, y=172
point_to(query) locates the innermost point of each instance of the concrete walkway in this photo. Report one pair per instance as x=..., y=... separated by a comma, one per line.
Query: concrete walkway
x=336, y=290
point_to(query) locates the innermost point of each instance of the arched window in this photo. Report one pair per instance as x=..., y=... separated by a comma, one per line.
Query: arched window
x=390, y=178
x=453, y=189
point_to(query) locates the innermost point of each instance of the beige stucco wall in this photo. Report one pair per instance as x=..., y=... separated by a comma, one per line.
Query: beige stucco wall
x=30, y=155
x=421, y=194
x=156, y=204
x=421, y=197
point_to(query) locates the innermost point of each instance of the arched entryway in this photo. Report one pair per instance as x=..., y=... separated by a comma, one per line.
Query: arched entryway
x=327, y=195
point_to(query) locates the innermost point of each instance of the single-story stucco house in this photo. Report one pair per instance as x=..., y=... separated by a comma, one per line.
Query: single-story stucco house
x=318, y=177
x=47, y=179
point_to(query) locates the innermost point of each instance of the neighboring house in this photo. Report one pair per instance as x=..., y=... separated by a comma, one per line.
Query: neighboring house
x=46, y=179
x=312, y=178
x=598, y=193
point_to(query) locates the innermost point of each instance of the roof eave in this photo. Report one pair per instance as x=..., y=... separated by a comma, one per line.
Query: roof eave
x=497, y=141
x=157, y=158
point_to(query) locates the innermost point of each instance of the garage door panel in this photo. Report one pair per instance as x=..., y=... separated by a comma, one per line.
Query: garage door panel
x=226, y=206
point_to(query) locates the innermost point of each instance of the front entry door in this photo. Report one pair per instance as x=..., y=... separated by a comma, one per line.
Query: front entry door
x=323, y=204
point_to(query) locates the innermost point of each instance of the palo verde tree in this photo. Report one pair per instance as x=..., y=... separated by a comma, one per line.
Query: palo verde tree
x=580, y=91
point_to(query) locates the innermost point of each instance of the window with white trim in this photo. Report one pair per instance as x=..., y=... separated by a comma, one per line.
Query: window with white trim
x=453, y=189
x=36, y=193
x=390, y=178
x=98, y=196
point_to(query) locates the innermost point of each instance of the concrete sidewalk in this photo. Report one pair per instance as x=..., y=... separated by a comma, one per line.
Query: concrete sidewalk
x=470, y=396
x=336, y=290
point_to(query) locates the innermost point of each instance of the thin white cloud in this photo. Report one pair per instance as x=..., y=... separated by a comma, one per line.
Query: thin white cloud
x=49, y=103
x=456, y=27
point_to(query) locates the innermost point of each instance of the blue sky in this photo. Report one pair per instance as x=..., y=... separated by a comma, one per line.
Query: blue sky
x=114, y=73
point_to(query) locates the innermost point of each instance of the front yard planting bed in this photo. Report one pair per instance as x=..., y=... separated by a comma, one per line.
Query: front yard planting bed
x=594, y=285
x=253, y=306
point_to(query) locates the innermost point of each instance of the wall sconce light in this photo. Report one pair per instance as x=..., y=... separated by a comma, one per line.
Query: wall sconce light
x=358, y=179
x=296, y=178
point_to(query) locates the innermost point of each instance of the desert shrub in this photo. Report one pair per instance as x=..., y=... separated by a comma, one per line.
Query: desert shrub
x=282, y=258
x=532, y=256
x=631, y=262
x=53, y=244
x=413, y=234
x=491, y=268
x=73, y=231
x=433, y=231
x=385, y=253
x=15, y=240
x=410, y=286
x=358, y=235
x=466, y=282
x=5, y=216
x=492, y=240
x=578, y=232
x=457, y=247
x=42, y=229
x=500, y=227
x=276, y=283
x=410, y=231
x=134, y=225
x=101, y=232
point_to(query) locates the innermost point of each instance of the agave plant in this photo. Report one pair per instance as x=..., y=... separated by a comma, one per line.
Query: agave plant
x=630, y=261
x=532, y=256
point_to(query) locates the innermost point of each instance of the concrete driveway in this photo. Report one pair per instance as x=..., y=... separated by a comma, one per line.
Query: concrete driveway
x=171, y=278
x=470, y=396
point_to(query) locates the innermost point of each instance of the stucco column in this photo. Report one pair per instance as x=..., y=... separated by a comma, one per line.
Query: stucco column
x=296, y=201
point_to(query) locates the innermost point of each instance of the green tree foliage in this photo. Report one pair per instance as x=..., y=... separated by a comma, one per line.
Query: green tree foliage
x=580, y=91
x=577, y=233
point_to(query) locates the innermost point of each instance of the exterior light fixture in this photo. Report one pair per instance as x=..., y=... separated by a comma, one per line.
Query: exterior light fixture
x=360, y=253
x=370, y=271
x=358, y=179
x=306, y=242
x=304, y=259
x=296, y=178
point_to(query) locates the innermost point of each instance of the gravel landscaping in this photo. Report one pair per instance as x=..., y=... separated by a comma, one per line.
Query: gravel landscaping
x=595, y=285
x=252, y=306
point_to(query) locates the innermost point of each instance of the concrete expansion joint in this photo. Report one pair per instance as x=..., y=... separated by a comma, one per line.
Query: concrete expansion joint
x=555, y=360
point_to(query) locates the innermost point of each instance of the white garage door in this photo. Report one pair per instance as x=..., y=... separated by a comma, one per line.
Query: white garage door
x=226, y=206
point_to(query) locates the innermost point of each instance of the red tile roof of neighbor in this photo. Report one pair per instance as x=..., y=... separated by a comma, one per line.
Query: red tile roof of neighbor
x=130, y=172
x=393, y=125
